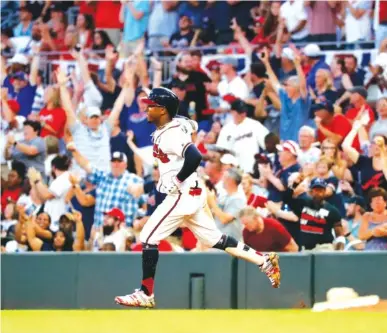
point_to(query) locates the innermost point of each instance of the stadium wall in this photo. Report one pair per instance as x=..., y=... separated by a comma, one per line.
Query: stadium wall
x=191, y=280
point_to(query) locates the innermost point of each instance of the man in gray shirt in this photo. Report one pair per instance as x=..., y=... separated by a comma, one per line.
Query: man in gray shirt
x=379, y=127
x=226, y=210
x=31, y=151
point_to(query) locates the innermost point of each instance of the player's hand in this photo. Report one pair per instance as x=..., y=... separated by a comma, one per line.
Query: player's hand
x=172, y=187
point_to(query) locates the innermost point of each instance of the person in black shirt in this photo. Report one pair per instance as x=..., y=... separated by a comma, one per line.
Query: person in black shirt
x=317, y=217
x=367, y=171
x=182, y=38
x=195, y=89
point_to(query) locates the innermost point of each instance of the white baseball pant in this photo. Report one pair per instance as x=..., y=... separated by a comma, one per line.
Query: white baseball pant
x=192, y=210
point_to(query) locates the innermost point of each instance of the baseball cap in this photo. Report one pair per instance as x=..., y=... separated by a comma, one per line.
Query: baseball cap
x=318, y=183
x=213, y=65
x=287, y=53
x=19, y=59
x=239, y=106
x=323, y=106
x=27, y=8
x=116, y=213
x=230, y=61
x=20, y=76
x=359, y=90
x=290, y=146
x=55, y=7
x=93, y=111
x=262, y=159
x=229, y=159
x=358, y=200
x=117, y=155
x=312, y=50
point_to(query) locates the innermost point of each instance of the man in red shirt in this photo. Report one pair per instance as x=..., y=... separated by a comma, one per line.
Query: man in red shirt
x=13, y=186
x=330, y=125
x=265, y=234
x=358, y=99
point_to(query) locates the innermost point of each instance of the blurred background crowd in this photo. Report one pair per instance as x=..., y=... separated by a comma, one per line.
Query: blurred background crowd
x=289, y=97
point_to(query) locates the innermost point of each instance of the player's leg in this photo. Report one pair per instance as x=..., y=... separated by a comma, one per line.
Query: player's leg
x=160, y=225
x=203, y=226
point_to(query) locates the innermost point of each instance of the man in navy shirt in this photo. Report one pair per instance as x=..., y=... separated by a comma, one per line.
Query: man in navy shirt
x=21, y=88
x=278, y=182
x=312, y=53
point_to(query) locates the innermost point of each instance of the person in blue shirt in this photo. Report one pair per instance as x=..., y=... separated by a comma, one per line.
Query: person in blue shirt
x=24, y=28
x=313, y=58
x=135, y=16
x=294, y=97
x=20, y=87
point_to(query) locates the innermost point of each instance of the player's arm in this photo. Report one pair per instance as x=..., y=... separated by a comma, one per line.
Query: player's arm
x=192, y=159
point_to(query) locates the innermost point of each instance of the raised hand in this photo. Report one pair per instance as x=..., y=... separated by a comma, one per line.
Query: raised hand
x=61, y=77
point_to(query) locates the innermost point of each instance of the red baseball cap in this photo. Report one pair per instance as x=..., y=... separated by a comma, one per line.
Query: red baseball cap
x=116, y=213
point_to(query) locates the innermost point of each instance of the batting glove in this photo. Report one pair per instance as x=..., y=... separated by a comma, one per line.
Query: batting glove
x=173, y=187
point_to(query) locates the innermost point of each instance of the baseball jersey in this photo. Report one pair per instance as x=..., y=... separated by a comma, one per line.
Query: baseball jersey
x=245, y=140
x=169, y=145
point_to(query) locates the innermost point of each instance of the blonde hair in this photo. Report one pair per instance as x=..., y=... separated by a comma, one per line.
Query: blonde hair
x=339, y=164
x=249, y=212
x=326, y=160
x=328, y=79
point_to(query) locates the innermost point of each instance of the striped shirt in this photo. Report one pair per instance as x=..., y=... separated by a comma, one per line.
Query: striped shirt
x=111, y=192
x=38, y=103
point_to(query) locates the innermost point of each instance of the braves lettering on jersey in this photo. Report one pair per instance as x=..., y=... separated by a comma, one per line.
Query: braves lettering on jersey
x=169, y=145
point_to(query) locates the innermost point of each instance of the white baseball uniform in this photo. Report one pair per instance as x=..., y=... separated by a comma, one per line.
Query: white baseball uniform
x=190, y=204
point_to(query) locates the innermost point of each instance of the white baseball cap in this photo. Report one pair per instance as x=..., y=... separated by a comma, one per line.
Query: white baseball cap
x=312, y=50
x=19, y=59
x=290, y=146
x=93, y=111
x=229, y=159
x=287, y=53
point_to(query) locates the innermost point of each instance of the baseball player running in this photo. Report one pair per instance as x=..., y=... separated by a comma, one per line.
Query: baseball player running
x=185, y=200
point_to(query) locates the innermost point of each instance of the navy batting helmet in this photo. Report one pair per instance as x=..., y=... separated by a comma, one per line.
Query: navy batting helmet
x=163, y=97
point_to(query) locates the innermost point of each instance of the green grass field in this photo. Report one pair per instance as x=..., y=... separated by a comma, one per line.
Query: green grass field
x=191, y=321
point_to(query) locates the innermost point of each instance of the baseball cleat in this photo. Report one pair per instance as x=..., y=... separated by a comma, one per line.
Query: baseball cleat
x=138, y=299
x=271, y=269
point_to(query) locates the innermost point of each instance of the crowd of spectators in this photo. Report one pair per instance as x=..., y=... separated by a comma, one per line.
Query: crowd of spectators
x=294, y=149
